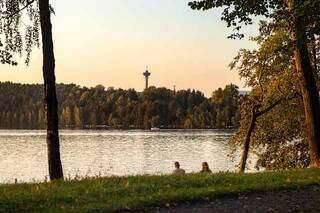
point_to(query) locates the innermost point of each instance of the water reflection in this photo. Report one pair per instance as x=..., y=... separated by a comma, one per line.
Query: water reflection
x=23, y=154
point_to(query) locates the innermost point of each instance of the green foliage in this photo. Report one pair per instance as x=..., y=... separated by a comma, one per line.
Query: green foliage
x=14, y=38
x=269, y=70
x=226, y=106
x=141, y=192
x=287, y=156
x=238, y=13
x=279, y=139
x=21, y=107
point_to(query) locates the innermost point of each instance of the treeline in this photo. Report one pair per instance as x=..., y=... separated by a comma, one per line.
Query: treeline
x=98, y=107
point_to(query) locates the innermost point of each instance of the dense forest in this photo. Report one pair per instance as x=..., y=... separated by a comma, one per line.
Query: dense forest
x=98, y=107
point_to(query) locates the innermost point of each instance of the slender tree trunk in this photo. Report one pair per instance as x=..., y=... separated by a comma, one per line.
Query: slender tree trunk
x=51, y=103
x=246, y=147
x=308, y=84
x=256, y=113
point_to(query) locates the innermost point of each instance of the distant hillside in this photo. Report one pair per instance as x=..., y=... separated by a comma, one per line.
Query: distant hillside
x=80, y=107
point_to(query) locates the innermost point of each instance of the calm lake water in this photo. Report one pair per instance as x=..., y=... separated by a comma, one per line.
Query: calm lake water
x=23, y=153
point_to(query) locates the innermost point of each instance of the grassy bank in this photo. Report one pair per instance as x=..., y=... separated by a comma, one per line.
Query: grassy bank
x=112, y=194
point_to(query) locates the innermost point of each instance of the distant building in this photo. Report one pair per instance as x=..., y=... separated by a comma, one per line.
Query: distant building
x=244, y=93
x=147, y=74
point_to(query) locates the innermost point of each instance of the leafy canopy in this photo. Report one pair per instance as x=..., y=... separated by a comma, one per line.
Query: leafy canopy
x=19, y=27
x=241, y=12
x=279, y=139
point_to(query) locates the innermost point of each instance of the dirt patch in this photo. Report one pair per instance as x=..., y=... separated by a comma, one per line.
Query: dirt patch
x=298, y=200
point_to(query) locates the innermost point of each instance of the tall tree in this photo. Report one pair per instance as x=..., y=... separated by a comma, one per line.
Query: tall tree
x=299, y=15
x=39, y=12
x=308, y=84
x=275, y=97
x=51, y=103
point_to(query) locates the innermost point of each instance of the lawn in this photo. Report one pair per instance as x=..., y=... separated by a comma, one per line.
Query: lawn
x=140, y=192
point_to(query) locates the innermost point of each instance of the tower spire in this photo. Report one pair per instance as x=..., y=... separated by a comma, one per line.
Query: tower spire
x=147, y=74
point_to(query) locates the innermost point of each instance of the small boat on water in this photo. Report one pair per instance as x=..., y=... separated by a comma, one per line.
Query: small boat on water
x=155, y=129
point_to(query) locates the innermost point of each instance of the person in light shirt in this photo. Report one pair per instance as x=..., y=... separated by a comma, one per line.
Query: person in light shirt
x=178, y=170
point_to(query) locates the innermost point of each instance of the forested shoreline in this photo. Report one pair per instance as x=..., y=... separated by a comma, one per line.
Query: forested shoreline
x=100, y=107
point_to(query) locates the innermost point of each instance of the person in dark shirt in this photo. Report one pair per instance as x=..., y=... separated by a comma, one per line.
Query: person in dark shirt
x=205, y=168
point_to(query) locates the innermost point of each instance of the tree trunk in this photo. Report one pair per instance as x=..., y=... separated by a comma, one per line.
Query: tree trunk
x=246, y=147
x=51, y=103
x=308, y=85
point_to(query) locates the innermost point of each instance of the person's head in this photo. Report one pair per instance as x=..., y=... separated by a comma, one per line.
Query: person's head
x=177, y=165
x=205, y=166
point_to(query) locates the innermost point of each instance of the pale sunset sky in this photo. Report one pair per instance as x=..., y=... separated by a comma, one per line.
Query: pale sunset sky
x=110, y=42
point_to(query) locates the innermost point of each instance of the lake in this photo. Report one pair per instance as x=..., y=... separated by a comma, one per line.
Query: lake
x=23, y=153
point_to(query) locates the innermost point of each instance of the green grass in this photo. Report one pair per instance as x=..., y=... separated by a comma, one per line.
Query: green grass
x=114, y=194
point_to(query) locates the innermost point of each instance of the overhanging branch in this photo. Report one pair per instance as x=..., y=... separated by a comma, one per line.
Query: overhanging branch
x=29, y=2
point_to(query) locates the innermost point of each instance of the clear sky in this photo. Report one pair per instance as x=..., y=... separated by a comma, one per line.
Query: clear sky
x=110, y=42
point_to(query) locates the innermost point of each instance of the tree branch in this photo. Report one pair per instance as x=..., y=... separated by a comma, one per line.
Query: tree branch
x=29, y=2
x=269, y=108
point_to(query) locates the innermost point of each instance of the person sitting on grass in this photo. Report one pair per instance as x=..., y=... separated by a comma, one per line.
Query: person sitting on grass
x=205, y=168
x=178, y=170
